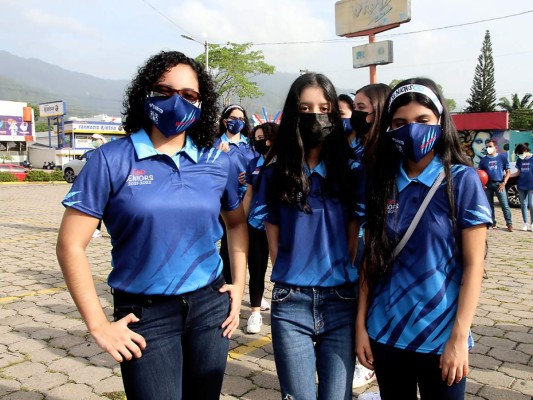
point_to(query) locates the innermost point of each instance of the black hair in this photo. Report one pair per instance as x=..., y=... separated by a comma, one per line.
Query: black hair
x=270, y=132
x=226, y=113
x=347, y=99
x=148, y=75
x=377, y=93
x=521, y=148
x=382, y=176
x=290, y=184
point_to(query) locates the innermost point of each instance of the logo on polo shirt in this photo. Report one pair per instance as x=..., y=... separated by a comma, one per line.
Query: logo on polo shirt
x=392, y=207
x=139, y=177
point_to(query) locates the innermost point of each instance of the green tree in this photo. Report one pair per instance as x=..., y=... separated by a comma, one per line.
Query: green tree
x=451, y=105
x=483, y=92
x=520, y=111
x=232, y=66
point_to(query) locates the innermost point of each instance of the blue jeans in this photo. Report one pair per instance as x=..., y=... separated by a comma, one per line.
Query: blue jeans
x=526, y=200
x=313, y=332
x=399, y=372
x=490, y=191
x=185, y=355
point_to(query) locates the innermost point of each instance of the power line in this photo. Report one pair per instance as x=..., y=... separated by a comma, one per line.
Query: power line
x=167, y=18
x=398, y=34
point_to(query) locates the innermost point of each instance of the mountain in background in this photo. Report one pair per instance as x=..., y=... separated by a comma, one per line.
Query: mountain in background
x=34, y=81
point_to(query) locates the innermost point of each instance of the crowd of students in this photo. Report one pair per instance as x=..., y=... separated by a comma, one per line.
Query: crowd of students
x=331, y=195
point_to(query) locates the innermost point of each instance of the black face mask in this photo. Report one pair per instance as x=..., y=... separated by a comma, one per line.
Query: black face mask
x=260, y=146
x=359, y=124
x=314, y=128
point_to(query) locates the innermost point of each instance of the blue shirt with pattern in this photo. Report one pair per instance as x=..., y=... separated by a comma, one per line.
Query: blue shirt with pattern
x=161, y=212
x=414, y=306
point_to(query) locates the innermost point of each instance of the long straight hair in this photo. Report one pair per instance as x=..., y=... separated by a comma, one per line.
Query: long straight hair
x=290, y=184
x=382, y=176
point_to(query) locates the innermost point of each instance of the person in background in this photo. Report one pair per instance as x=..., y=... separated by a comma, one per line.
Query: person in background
x=97, y=140
x=234, y=127
x=313, y=217
x=345, y=108
x=416, y=307
x=262, y=140
x=496, y=166
x=524, y=166
x=160, y=191
x=368, y=105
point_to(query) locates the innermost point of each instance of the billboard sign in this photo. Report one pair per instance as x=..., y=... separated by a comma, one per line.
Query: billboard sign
x=364, y=17
x=52, y=109
x=13, y=128
x=378, y=53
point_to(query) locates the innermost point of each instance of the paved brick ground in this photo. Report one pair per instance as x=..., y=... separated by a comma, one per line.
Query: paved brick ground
x=46, y=353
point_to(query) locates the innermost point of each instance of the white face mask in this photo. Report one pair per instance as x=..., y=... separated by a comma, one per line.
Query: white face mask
x=489, y=150
x=522, y=156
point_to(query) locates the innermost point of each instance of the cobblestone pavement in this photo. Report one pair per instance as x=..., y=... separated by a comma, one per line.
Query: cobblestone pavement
x=46, y=353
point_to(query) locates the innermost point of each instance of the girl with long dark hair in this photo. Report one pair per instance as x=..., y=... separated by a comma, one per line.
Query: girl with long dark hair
x=312, y=224
x=415, y=308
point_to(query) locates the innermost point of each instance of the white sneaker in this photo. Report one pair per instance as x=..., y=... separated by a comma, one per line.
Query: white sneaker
x=362, y=376
x=97, y=233
x=264, y=304
x=254, y=323
x=531, y=228
x=369, y=396
x=525, y=227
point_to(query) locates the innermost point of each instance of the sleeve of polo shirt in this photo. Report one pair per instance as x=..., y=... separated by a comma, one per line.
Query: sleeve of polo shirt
x=471, y=202
x=230, y=199
x=249, y=171
x=90, y=191
x=505, y=162
x=272, y=206
x=359, y=198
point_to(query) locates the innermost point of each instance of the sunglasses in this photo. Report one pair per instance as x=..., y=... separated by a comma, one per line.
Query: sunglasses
x=192, y=96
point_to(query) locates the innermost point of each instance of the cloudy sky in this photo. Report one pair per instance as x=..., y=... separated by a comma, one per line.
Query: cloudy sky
x=111, y=38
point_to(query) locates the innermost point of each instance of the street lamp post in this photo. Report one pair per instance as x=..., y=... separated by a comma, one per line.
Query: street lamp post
x=206, y=49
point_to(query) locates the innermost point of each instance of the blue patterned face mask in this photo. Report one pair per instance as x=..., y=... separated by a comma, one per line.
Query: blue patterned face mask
x=171, y=115
x=414, y=141
x=235, y=125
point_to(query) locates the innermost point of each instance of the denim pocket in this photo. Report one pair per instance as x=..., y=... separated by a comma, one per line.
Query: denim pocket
x=281, y=294
x=120, y=312
x=347, y=292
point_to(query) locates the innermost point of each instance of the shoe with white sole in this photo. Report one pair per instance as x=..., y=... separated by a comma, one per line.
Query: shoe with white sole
x=525, y=227
x=254, y=323
x=362, y=376
x=264, y=305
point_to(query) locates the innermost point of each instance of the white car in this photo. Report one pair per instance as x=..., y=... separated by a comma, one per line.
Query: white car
x=73, y=168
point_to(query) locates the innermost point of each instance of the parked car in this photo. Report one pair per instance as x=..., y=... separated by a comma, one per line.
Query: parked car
x=15, y=169
x=73, y=168
x=512, y=188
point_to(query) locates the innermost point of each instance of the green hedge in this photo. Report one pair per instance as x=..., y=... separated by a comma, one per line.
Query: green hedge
x=42, y=176
x=7, y=177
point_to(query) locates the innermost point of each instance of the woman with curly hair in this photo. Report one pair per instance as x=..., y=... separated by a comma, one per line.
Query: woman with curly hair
x=159, y=192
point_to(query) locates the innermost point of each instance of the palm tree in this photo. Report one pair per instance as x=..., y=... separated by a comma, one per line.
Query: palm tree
x=526, y=103
x=520, y=111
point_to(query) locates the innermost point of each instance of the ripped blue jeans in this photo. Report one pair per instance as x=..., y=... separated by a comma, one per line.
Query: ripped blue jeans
x=313, y=334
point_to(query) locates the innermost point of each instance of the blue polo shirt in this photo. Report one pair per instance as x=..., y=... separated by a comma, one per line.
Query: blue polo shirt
x=414, y=306
x=525, y=179
x=494, y=166
x=161, y=212
x=313, y=248
x=241, y=154
x=258, y=208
